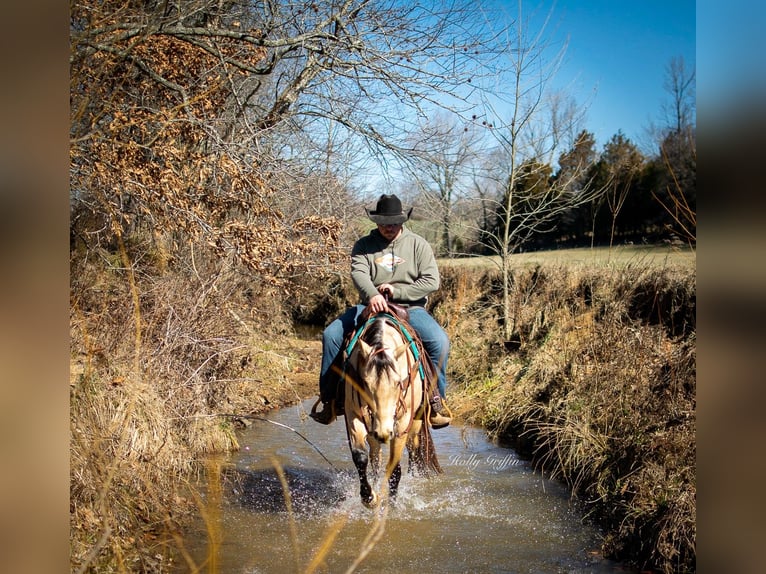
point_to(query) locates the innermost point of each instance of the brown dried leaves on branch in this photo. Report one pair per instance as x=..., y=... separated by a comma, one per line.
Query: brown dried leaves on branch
x=156, y=143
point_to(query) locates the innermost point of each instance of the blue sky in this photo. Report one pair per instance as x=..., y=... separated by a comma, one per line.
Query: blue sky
x=732, y=62
x=617, y=55
x=615, y=62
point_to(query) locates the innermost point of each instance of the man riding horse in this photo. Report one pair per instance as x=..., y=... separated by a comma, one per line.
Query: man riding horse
x=394, y=264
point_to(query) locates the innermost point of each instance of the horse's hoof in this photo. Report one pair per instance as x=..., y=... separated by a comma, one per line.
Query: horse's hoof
x=372, y=502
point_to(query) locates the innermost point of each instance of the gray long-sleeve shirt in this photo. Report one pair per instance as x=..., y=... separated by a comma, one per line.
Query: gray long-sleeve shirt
x=407, y=263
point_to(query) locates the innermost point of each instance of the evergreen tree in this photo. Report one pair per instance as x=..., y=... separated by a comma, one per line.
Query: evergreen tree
x=573, y=170
x=620, y=210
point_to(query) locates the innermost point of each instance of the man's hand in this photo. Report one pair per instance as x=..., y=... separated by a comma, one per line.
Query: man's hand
x=377, y=304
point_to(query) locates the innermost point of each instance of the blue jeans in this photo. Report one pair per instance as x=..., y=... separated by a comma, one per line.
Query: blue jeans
x=434, y=339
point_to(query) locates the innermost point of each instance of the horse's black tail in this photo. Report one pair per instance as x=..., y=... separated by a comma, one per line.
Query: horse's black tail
x=423, y=459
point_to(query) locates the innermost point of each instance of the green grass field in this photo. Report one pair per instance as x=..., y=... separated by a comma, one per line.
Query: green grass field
x=618, y=256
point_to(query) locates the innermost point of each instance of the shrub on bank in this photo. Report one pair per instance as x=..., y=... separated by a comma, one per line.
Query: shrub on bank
x=598, y=389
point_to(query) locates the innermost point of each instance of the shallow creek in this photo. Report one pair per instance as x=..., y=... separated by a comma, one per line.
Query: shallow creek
x=489, y=511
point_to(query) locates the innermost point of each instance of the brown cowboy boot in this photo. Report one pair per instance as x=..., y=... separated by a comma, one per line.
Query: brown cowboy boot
x=440, y=415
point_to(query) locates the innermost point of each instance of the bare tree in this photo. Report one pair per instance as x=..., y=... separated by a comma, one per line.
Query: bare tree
x=528, y=200
x=201, y=116
x=445, y=154
x=680, y=83
x=375, y=68
x=678, y=150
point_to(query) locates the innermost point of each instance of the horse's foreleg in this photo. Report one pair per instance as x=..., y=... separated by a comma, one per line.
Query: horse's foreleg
x=394, y=468
x=374, y=454
x=393, y=481
x=357, y=436
x=360, y=458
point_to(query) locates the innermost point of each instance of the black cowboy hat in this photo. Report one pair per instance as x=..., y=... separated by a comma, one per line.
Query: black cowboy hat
x=389, y=211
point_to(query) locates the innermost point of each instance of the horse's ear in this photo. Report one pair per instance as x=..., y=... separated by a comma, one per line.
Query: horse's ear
x=365, y=348
x=400, y=350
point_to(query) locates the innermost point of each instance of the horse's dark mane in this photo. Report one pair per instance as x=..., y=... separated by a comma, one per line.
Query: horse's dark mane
x=373, y=336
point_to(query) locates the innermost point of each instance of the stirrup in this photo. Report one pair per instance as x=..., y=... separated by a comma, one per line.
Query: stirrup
x=326, y=415
x=440, y=415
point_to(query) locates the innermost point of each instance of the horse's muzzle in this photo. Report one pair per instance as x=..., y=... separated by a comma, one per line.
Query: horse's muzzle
x=382, y=435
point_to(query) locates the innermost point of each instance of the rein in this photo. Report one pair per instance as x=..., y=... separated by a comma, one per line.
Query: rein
x=404, y=388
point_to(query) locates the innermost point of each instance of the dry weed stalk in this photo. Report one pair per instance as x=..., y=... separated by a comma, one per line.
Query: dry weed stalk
x=372, y=538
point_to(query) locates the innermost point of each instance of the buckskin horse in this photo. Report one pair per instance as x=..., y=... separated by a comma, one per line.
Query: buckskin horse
x=387, y=371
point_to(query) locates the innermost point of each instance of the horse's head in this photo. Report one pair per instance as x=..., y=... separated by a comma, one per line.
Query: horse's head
x=382, y=368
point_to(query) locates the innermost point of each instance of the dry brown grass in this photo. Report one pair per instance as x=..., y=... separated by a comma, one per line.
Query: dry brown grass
x=125, y=484
x=598, y=388
x=156, y=356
